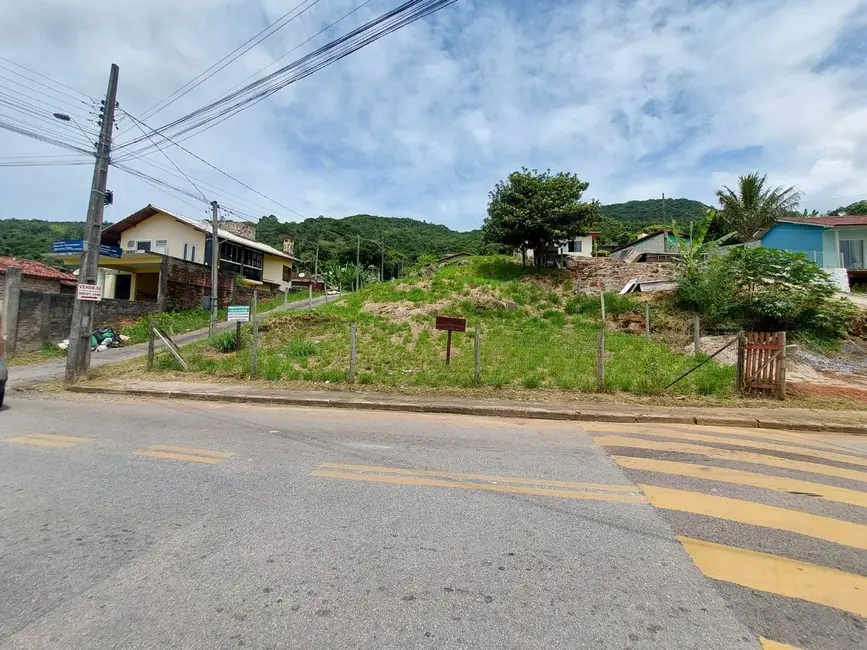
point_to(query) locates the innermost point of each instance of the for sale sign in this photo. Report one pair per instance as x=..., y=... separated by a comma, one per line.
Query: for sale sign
x=89, y=292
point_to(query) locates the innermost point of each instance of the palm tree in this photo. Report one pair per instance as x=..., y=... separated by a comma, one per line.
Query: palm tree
x=695, y=248
x=755, y=206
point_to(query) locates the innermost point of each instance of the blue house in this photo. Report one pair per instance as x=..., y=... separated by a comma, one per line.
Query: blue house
x=831, y=242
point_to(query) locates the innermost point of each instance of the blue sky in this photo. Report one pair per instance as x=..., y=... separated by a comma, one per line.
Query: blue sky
x=638, y=97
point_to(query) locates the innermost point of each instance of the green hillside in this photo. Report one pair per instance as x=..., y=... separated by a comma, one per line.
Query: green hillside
x=621, y=222
x=404, y=239
x=31, y=238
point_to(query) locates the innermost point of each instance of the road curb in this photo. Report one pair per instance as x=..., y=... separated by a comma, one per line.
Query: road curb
x=523, y=412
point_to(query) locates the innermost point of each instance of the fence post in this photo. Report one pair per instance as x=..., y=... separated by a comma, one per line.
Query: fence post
x=647, y=320
x=237, y=336
x=310, y=297
x=696, y=333
x=254, y=347
x=151, y=340
x=602, y=303
x=742, y=354
x=477, y=376
x=600, y=360
x=352, y=329
x=781, y=337
x=285, y=297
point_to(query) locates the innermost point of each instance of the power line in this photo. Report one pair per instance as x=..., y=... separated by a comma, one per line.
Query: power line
x=324, y=56
x=41, y=136
x=139, y=124
x=158, y=186
x=58, y=102
x=39, y=74
x=214, y=167
x=198, y=80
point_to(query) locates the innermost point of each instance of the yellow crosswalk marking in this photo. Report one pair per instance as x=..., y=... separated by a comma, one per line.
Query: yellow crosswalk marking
x=483, y=477
x=399, y=477
x=739, y=477
x=732, y=455
x=49, y=440
x=171, y=452
x=758, y=514
x=767, y=644
x=779, y=575
x=755, y=444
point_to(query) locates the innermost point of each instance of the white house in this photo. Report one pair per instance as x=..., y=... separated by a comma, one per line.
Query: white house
x=579, y=246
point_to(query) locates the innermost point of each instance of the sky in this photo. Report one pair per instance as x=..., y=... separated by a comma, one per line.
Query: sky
x=637, y=97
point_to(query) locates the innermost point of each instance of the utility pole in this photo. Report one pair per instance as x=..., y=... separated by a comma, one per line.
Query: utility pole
x=316, y=266
x=382, y=261
x=358, y=264
x=215, y=265
x=664, y=218
x=78, y=358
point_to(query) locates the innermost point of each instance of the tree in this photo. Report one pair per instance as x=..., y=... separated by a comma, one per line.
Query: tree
x=755, y=206
x=694, y=249
x=858, y=208
x=533, y=209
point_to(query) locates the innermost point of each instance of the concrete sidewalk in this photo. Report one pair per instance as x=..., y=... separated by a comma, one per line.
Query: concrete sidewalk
x=798, y=419
x=39, y=373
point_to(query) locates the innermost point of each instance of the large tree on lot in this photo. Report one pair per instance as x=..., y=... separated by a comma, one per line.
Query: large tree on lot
x=532, y=209
x=755, y=205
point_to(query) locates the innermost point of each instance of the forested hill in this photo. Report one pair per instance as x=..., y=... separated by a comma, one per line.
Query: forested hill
x=31, y=238
x=620, y=222
x=404, y=239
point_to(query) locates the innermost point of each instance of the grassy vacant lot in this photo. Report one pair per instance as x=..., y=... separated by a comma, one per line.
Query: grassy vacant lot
x=536, y=332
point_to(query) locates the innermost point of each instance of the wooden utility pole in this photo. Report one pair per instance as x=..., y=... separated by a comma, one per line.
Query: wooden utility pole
x=215, y=265
x=78, y=356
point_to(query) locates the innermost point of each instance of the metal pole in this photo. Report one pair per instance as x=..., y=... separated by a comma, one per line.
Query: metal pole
x=696, y=334
x=254, y=347
x=382, y=261
x=352, y=353
x=237, y=336
x=449, y=348
x=647, y=320
x=316, y=265
x=215, y=265
x=602, y=299
x=477, y=377
x=78, y=357
x=310, y=296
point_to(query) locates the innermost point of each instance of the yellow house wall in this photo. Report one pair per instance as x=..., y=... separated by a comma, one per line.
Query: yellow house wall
x=163, y=226
x=272, y=269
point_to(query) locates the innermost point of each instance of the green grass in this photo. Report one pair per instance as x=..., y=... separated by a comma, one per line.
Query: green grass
x=531, y=338
x=46, y=352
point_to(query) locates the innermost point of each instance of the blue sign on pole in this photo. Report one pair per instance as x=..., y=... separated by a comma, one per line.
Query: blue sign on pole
x=76, y=246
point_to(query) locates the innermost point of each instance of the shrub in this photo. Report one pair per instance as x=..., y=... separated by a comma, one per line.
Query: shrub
x=300, y=348
x=223, y=342
x=766, y=289
x=589, y=303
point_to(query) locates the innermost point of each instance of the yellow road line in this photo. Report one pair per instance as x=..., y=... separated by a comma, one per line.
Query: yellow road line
x=754, y=444
x=481, y=477
x=52, y=436
x=764, y=434
x=779, y=575
x=40, y=442
x=429, y=482
x=173, y=456
x=767, y=644
x=758, y=514
x=732, y=455
x=190, y=450
x=739, y=477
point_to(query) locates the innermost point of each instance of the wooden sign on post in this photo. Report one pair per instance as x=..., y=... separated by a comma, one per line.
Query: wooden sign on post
x=450, y=324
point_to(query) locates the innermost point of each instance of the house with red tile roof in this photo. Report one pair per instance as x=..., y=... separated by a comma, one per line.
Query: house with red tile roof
x=36, y=276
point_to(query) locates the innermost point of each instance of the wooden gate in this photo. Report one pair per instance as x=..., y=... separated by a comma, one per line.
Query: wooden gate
x=762, y=363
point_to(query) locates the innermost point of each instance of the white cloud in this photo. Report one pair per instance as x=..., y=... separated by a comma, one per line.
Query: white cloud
x=638, y=98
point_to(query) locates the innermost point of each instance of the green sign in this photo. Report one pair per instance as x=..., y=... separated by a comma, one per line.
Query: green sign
x=239, y=314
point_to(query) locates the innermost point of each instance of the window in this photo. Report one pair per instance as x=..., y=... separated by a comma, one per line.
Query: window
x=161, y=246
x=190, y=252
x=852, y=253
x=144, y=246
x=575, y=245
x=287, y=274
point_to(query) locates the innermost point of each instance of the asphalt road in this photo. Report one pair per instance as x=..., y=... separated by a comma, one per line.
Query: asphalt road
x=135, y=524
x=38, y=373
